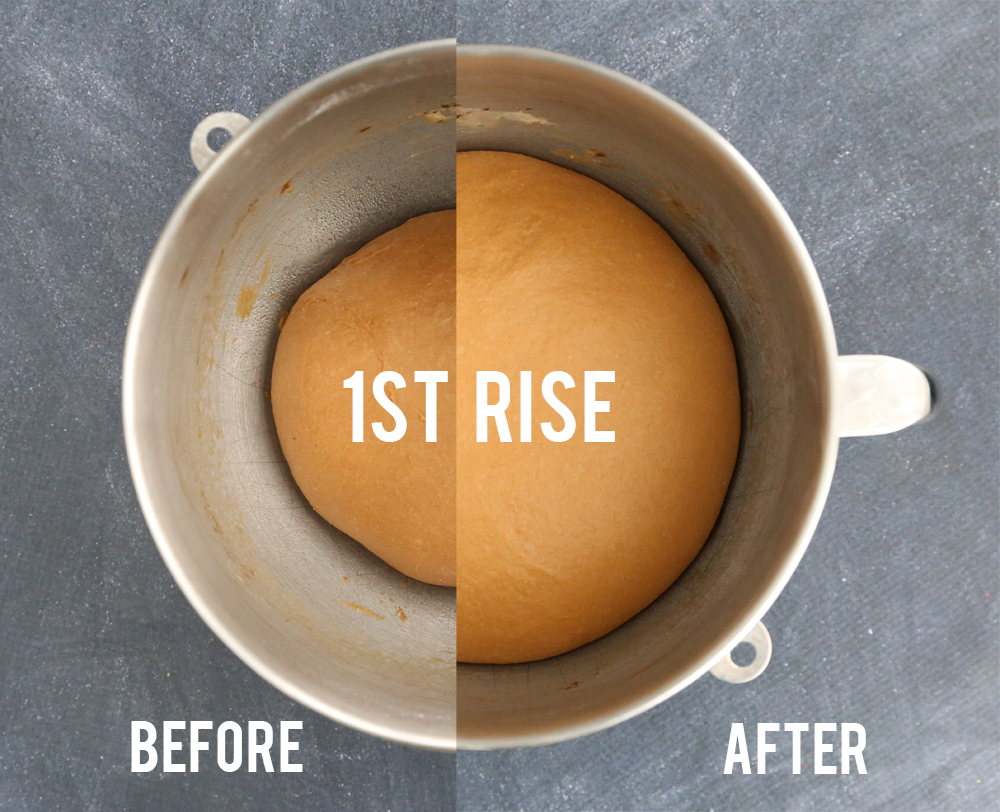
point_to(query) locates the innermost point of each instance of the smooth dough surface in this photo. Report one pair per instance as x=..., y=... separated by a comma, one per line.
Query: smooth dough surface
x=390, y=306
x=559, y=543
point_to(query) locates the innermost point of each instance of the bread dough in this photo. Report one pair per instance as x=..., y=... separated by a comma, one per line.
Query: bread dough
x=390, y=306
x=559, y=543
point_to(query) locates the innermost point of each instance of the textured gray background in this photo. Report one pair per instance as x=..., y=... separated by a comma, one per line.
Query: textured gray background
x=97, y=103
x=876, y=126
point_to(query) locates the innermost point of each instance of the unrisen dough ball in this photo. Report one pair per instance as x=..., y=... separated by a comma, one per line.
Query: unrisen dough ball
x=390, y=306
x=559, y=543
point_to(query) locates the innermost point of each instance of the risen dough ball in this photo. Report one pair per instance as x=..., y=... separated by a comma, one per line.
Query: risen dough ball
x=559, y=543
x=390, y=306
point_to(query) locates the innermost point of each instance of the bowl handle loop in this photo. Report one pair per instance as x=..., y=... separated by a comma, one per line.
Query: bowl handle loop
x=201, y=153
x=728, y=671
x=880, y=395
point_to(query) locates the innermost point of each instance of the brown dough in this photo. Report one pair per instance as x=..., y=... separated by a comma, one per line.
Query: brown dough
x=390, y=306
x=559, y=543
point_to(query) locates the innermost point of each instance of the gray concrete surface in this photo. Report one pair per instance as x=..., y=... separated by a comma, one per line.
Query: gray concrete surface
x=877, y=126
x=875, y=123
x=97, y=103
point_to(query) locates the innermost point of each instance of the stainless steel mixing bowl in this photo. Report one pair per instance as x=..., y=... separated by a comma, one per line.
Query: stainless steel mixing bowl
x=344, y=159
x=798, y=398
x=329, y=167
